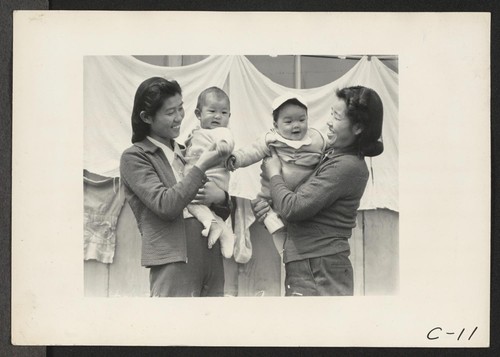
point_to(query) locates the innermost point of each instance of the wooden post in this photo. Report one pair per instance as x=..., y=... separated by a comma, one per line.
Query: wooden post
x=173, y=61
x=298, y=72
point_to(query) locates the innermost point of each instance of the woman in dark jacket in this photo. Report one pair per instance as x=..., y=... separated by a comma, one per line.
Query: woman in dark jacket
x=158, y=191
x=322, y=211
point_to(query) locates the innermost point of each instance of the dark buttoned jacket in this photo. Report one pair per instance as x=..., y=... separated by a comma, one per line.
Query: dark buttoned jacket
x=158, y=200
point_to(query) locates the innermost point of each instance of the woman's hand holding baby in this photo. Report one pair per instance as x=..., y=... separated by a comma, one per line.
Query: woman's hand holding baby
x=271, y=165
x=209, y=194
x=260, y=208
x=209, y=158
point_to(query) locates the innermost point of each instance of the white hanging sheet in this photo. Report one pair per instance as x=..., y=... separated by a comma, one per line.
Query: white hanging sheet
x=251, y=96
x=110, y=83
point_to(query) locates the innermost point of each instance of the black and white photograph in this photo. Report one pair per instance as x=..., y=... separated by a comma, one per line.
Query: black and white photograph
x=195, y=183
x=344, y=224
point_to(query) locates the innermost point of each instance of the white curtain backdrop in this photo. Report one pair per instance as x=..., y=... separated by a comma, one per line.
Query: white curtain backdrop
x=110, y=83
x=252, y=94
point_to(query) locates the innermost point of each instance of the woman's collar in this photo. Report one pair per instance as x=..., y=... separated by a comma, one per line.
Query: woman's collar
x=351, y=149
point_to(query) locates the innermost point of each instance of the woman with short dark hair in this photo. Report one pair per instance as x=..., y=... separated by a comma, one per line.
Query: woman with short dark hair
x=158, y=191
x=321, y=212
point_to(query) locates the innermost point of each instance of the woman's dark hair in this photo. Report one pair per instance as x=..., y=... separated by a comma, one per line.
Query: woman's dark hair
x=149, y=98
x=276, y=112
x=364, y=107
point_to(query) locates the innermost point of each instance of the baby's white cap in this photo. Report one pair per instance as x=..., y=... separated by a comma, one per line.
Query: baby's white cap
x=285, y=97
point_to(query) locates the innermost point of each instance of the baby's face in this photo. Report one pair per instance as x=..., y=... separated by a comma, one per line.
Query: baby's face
x=292, y=122
x=214, y=113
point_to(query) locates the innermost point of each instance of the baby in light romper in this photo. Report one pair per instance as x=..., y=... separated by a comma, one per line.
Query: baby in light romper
x=213, y=111
x=299, y=148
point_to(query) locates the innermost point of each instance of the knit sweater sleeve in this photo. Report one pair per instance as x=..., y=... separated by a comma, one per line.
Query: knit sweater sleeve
x=253, y=153
x=329, y=183
x=139, y=175
x=223, y=134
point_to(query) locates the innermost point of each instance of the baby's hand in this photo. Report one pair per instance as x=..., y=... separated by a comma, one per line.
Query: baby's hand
x=223, y=148
x=231, y=163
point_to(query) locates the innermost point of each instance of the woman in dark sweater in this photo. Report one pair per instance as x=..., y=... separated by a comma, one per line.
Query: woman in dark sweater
x=322, y=211
x=158, y=191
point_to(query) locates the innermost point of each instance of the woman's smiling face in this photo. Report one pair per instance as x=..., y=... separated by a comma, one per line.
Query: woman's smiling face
x=166, y=123
x=341, y=133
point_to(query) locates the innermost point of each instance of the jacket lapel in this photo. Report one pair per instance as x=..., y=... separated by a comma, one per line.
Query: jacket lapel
x=159, y=161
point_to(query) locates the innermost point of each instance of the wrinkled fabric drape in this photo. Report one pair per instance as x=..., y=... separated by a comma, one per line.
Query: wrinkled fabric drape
x=110, y=83
x=251, y=96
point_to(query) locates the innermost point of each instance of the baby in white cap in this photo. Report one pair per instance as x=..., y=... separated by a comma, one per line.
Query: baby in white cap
x=298, y=146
